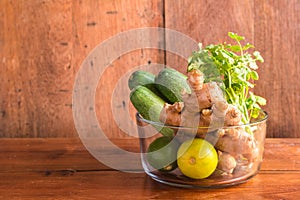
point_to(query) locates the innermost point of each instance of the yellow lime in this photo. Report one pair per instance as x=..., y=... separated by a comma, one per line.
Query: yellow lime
x=197, y=158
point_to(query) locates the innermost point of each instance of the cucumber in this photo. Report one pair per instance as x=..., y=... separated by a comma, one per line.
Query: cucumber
x=149, y=106
x=143, y=78
x=171, y=84
x=147, y=103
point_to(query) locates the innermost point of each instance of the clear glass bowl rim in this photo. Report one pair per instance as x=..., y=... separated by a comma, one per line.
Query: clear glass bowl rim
x=262, y=119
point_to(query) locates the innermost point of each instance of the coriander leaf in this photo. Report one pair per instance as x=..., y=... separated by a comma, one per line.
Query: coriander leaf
x=235, y=48
x=235, y=67
x=258, y=56
x=254, y=75
x=235, y=36
x=247, y=46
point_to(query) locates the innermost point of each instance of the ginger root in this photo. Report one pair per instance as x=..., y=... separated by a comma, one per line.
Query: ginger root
x=200, y=98
x=207, y=108
x=206, y=103
x=226, y=163
x=233, y=116
x=196, y=79
x=171, y=113
x=210, y=96
x=237, y=142
x=206, y=93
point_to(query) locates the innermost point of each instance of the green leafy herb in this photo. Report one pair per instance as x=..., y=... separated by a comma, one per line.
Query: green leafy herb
x=234, y=67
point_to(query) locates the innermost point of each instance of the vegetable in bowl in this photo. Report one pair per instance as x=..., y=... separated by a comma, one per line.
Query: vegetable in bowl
x=215, y=97
x=234, y=68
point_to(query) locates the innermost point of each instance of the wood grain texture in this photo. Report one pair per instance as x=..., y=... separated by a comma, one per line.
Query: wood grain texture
x=52, y=154
x=272, y=26
x=99, y=21
x=206, y=22
x=43, y=43
x=61, y=168
x=36, y=72
x=63, y=154
x=277, y=27
x=117, y=185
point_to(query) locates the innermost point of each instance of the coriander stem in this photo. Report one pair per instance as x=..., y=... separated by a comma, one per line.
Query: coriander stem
x=229, y=79
x=242, y=53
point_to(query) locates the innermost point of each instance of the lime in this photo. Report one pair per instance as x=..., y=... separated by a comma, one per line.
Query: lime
x=162, y=154
x=197, y=158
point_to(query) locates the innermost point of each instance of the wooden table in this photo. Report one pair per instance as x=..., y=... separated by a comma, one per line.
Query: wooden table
x=62, y=169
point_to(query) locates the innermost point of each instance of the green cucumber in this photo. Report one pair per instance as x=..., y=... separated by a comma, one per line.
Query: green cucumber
x=172, y=84
x=143, y=78
x=149, y=106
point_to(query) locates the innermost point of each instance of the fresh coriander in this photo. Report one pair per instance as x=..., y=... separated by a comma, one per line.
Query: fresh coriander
x=234, y=67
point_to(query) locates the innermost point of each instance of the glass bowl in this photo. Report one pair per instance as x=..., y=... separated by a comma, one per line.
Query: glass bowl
x=239, y=148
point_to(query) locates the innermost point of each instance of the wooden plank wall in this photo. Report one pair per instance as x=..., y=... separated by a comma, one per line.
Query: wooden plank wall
x=43, y=43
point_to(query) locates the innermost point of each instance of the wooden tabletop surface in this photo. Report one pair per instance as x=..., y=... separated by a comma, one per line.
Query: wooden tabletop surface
x=63, y=169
